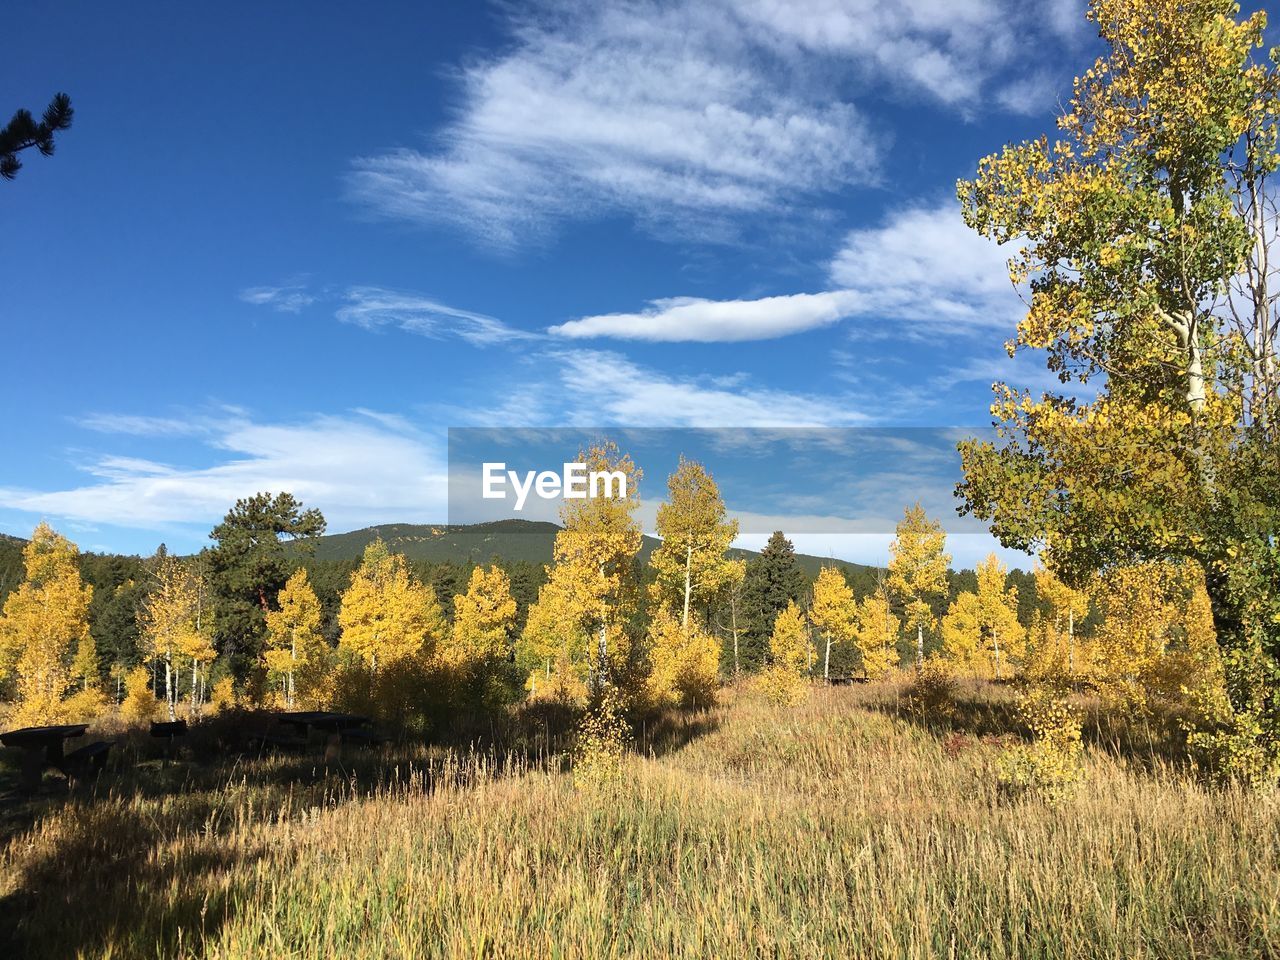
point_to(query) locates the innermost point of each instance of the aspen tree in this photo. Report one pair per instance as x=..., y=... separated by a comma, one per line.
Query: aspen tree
x=296, y=650
x=876, y=633
x=45, y=621
x=483, y=619
x=833, y=612
x=918, y=566
x=981, y=630
x=388, y=615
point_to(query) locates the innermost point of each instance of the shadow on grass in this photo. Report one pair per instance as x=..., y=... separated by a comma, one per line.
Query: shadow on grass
x=986, y=709
x=105, y=881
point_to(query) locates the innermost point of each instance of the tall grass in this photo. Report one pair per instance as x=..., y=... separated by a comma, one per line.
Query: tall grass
x=839, y=828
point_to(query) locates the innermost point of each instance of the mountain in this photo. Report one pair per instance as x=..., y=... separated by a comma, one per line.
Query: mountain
x=511, y=540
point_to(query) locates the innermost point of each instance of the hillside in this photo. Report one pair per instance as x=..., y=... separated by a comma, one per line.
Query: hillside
x=511, y=540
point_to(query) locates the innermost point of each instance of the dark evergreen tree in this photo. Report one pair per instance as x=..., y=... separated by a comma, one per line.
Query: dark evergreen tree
x=248, y=565
x=120, y=584
x=772, y=579
x=24, y=132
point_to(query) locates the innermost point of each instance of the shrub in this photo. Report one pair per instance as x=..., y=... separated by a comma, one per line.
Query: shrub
x=140, y=702
x=782, y=686
x=601, y=739
x=932, y=693
x=1050, y=766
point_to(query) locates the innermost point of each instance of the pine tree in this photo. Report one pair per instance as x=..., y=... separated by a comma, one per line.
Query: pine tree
x=24, y=132
x=772, y=580
x=45, y=623
x=249, y=565
x=918, y=570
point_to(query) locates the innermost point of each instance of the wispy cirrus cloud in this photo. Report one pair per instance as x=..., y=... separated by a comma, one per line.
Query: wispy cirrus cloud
x=376, y=307
x=285, y=298
x=690, y=118
x=602, y=387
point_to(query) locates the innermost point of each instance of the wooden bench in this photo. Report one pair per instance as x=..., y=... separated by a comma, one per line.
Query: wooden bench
x=277, y=741
x=369, y=737
x=91, y=758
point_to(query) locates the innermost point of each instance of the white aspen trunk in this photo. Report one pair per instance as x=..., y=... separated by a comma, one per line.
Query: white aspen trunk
x=688, y=585
x=826, y=664
x=601, y=673
x=168, y=685
x=293, y=660
x=1071, y=642
x=919, y=644
x=195, y=676
x=995, y=638
x=733, y=616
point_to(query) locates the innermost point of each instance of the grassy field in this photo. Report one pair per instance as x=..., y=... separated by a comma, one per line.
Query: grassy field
x=843, y=827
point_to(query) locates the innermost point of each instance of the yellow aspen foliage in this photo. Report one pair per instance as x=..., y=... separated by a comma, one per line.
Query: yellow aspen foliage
x=140, y=703
x=981, y=633
x=1051, y=766
x=85, y=669
x=684, y=662
x=593, y=574
x=88, y=700
x=783, y=680
x=834, y=613
x=222, y=696
x=45, y=622
x=876, y=634
x=483, y=620
x=169, y=624
x=1157, y=642
x=296, y=654
x=918, y=564
x=690, y=566
x=553, y=647
x=388, y=615
x=1053, y=644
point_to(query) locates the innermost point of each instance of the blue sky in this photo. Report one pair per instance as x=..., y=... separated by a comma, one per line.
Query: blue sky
x=288, y=246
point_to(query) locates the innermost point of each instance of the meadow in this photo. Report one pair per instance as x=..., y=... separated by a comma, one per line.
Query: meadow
x=851, y=825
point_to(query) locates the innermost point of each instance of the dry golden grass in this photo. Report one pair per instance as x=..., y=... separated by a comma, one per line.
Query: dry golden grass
x=838, y=828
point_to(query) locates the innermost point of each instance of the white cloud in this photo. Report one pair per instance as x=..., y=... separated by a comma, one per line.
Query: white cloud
x=287, y=298
x=603, y=388
x=672, y=114
x=924, y=270
x=689, y=116
x=374, y=307
x=689, y=319
x=358, y=469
